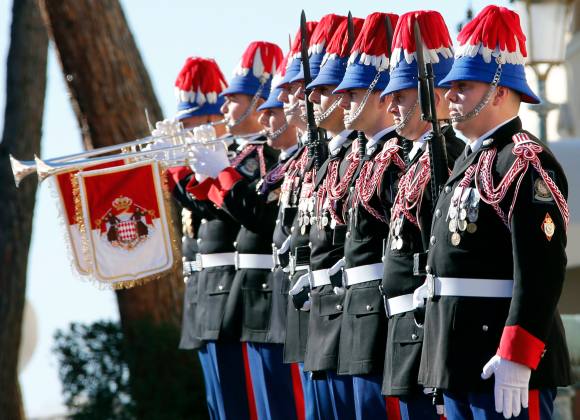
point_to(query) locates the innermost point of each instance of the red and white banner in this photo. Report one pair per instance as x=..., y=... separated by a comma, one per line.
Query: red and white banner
x=127, y=237
x=64, y=192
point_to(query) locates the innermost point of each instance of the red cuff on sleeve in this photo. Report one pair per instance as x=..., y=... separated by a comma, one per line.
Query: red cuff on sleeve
x=224, y=183
x=199, y=190
x=176, y=174
x=520, y=346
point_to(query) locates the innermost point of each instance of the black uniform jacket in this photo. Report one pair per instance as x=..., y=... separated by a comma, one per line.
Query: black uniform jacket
x=327, y=247
x=463, y=333
x=404, y=337
x=189, y=325
x=250, y=300
x=216, y=233
x=364, y=324
x=296, y=320
x=281, y=277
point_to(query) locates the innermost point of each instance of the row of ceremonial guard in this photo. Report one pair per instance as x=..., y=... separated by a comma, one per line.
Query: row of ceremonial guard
x=323, y=281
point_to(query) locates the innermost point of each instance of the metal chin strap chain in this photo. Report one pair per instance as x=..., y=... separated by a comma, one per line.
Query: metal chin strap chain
x=250, y=108
x=326, y=114
x=485, y=100
x=278, y=132
x=349, y=119
x=406, y=118
x=292, y=109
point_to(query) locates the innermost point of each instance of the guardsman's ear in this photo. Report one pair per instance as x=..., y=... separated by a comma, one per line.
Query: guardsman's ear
x=502, y=94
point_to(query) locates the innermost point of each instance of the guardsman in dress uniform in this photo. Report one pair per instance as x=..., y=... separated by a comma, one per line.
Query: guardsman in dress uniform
x=324, y=322
x=211, y=272
x=411, y=214
x=255, y=206
x=284, y=136
x=367, y=212
x=493, y=340
x=289, y=267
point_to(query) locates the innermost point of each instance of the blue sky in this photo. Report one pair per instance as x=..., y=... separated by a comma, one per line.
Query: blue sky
x=166, y=33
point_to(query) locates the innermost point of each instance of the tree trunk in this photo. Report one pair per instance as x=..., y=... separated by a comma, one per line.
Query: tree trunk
x=110, y=89
x=25, y=91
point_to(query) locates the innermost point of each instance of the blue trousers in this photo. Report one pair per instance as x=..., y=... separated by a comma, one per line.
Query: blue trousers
x=369, y=402
x=481, y=406
x=341, y=395
x=317, y=402
x=212, y=393
x=272, y=382
x=224, y=368
x=417, y=407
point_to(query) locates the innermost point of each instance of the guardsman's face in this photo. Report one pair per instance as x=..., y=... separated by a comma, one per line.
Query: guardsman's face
x=197, y=120
x=404, y=107
x=350, y=102
x=463, y=97
x=322, y=99
x=272, y=119
x=234, y=107
x=295, y=109
x=284, y=93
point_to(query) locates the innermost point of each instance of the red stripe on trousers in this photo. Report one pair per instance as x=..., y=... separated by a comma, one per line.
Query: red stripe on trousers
x=298, y=391
x=534, y=405
x=249, y=388
x=393, y=408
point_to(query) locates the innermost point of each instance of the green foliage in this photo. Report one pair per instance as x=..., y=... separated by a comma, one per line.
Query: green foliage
x=94, y=372
x=94, y=365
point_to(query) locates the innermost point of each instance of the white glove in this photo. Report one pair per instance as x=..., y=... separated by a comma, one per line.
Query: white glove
x=336, y=267
x=285, y=246
x=203, y=133
x=511, y=385
x=420, y=294
x=300, y=293
x=209, y=160
x=338, y=290
x=166, y=132
x=440, y=410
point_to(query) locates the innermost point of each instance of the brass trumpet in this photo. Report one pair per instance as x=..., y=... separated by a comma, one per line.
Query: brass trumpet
x=48, y=167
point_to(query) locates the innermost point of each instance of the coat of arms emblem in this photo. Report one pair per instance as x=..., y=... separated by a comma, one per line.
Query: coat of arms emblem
x=126, y=224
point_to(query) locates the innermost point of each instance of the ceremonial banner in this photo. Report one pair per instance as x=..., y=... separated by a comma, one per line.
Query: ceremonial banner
x=127, y=234
x=63, y=191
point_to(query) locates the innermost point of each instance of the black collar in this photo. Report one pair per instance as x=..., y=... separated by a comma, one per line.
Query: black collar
x=498, y=139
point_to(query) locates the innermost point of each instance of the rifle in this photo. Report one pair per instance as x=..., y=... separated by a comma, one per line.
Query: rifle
x=426, y=90
x=314, y=133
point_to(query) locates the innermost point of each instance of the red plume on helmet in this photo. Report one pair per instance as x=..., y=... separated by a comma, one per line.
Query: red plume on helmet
x=262, y=58
x=434, y=32
x=495, y=31
x=199, y=80
x=324, y=32
x=371, y=44
x=338, y=44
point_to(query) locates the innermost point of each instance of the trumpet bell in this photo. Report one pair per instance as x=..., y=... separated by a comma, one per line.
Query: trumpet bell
x=21, y=169
x=43, y=169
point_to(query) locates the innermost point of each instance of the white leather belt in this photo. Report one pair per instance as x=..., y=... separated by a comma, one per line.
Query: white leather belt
x=301, y=267
x=467, y=287
x=399, y=304
x=260, y=261
x=319, y=278
x=360, y=274
x=218, y=259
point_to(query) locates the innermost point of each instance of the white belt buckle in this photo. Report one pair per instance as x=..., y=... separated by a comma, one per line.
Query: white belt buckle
x=430, y=285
